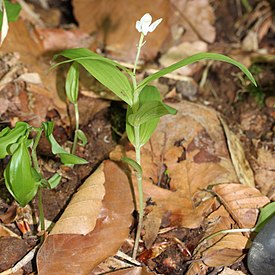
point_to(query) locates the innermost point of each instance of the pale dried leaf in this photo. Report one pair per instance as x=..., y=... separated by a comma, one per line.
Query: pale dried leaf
x=197, y=18
x=242, y=202
x=82, y=212
x=65, y=254
x=264, y=170
x=242, y=167
x=60, y=39
x=5, y=232
x=227, y=251
x=151, y=226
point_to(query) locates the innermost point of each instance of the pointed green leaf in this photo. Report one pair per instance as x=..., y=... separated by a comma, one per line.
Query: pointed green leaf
x=149, y=93
x=133, y=164
x=8, y=137
x=104, y=70
x=65, y=157
x=82, y=137
x=266, y=213
x=18, y=175
x=150, y=110
x=72, y=83
x=192, y=59
x=54, y=180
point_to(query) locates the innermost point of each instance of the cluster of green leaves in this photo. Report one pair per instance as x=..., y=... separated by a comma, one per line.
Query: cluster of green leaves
x=116, y=77
x=22, y=176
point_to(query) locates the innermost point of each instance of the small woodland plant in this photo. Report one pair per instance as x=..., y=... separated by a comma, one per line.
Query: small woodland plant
x=23, y=177
x=145, y=106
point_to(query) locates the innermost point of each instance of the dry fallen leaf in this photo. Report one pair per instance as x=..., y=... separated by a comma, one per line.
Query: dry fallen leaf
x=264, y=170
x=151, y=226
x=133, y=271
x=242, y=202
x=242, y=167
x=79, y=254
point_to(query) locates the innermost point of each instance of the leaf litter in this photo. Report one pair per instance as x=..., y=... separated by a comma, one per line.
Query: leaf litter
x=186, y=157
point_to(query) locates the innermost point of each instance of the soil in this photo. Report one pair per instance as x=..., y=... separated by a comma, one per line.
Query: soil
x=247, y=110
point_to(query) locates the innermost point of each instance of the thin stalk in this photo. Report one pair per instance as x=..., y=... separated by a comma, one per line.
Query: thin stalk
x=137, y=149
x=140, y=194
x=76, y=127
x=37, y=168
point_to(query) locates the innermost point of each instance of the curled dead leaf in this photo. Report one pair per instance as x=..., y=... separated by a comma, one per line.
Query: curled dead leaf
x=79, y=254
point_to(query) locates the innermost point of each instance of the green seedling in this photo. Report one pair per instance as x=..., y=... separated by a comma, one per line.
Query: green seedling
x=71, y=87
x=145, y=106
x=23, y=177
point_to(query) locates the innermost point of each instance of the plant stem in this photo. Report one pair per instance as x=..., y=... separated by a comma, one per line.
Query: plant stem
x=140, y=194
x=76, y=127
x=137, y=149
x=36, y=167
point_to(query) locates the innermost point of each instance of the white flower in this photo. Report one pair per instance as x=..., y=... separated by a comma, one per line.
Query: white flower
x=145, y=26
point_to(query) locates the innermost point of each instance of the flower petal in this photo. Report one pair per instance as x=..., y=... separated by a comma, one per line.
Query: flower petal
x=154, y=25
x=138, y=26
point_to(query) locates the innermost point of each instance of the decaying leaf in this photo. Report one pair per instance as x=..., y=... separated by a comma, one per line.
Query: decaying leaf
x=264, y=170
x=82, y=212
x=187, y=153
x=241, y=165
x=151, y=226
x=242, y=202
x=227, y=251
x=133, y=271
x=79, y=254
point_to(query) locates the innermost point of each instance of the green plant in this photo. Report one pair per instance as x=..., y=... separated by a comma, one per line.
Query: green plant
x=71, y=87
x=23, y=177
x=145, y=106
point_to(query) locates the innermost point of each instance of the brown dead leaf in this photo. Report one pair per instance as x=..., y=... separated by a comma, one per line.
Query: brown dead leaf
x=190, y=152
x=79, y=254
x=241, y=165
x=151, y=226
x=82, y=212
x=60, y=39
x=264, y=170
x=242, y=202
x=219, y=250
x=227, y=251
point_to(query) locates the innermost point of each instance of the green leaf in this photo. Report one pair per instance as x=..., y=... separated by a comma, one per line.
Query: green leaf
x=150, y=110
x=13, y=10
x=133, y=164
x=82, y=137
x=72, y=83
x=104, y=70
x=266, y=213
x=9, y=137
x=54, y=180
x=18, y=175
x=192, y=59
x=149, y=93
x=65, y=157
